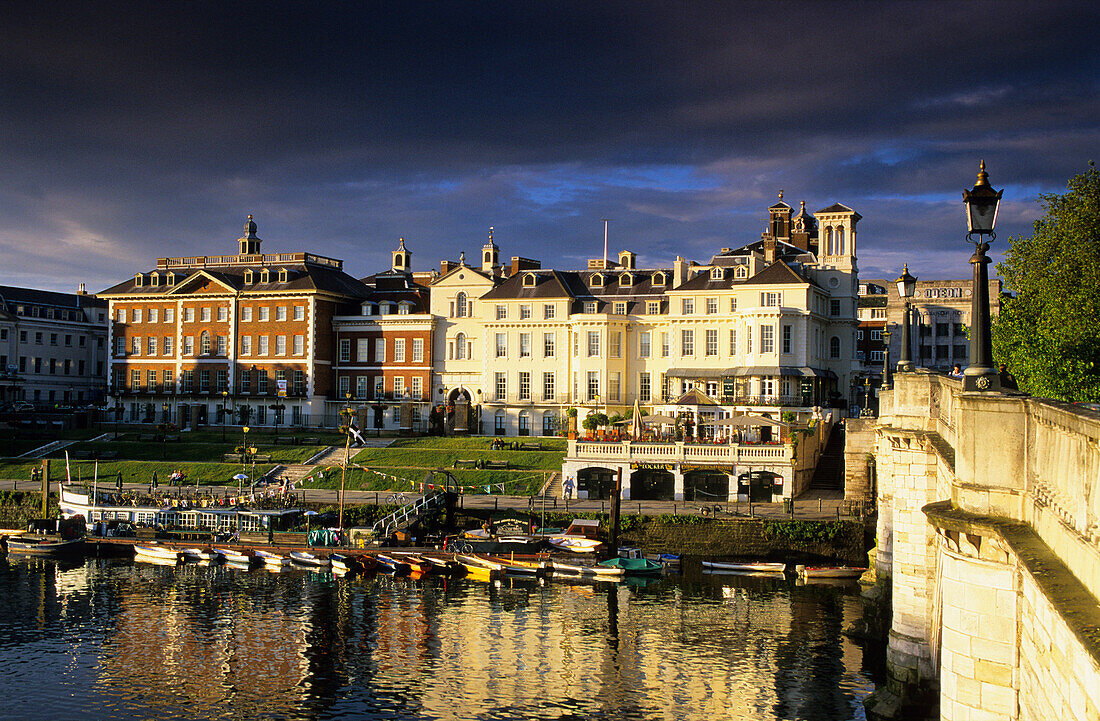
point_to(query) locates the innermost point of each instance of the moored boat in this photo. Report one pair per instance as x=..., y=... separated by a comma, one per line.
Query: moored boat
x=199, y=554
x=305, y=558
x=580, y=537
x=829, y=571
x=45, y=546
x=272, y=560
x=576, y=545
x=600, y=572
x=231, y=555
x=513, y=565
x=632, y=566
x=745, y=567
x=156, y=552
x=389, y=563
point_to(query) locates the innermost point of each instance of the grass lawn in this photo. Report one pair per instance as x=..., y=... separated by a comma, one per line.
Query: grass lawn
x=186, y=450
x=476, y=443
x=516, y=483
x=134, y=471
x=426, y=457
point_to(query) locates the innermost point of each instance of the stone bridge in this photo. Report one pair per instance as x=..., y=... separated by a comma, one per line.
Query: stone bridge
x=988, y=556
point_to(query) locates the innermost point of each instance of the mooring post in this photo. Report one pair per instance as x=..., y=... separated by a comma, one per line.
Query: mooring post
x=616, y=502
x=45, y=486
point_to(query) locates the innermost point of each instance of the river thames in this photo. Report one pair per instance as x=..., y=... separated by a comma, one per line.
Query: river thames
x=114, y=639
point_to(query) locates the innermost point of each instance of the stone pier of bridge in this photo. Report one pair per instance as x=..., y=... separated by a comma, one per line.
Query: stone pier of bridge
x=988, y=553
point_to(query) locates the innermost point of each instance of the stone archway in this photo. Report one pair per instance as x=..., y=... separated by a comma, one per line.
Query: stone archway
x=598, y=483
x=706, y=486
x=652, y=485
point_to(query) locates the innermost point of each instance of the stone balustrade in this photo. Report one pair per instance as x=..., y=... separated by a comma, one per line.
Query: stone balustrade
x=989, y=543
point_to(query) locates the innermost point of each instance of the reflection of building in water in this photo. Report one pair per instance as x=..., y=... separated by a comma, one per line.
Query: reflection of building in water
x=178, y=641
x=216, y=641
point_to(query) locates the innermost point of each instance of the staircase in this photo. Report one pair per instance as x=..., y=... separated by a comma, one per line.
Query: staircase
x=295, y=472
x=409, y=514
x=829, y=474
x=552, y=487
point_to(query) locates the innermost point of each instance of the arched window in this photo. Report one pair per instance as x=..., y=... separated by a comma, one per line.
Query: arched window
x=716, y=274
x=460, y=305
x=834, y=348
x=248, y=277
x=204, y=342
x=498, y=424
x=460, y=346
x=525, y=423
x=741, y=273
x=840, y=240
x=829, y=240
x=659, y=279
x=265, y=276
x=529, y=280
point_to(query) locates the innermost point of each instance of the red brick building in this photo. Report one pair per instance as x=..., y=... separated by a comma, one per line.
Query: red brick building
x=250, y=332
x=384, y=349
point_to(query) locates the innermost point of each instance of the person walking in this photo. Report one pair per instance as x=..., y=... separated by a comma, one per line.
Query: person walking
x=567, y=488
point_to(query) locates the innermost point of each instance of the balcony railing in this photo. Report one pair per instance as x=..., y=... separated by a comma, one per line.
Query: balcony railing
x=680, y=452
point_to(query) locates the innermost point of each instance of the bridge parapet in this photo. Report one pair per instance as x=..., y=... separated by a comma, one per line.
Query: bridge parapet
x=989, y=538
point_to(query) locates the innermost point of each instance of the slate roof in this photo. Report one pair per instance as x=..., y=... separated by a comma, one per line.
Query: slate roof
x=577, y=284
x=777, y=272
x=33, y=296
x=303, y=277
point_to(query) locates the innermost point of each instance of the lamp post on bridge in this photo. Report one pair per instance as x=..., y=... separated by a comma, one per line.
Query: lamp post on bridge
x=907, y=285
x=981, y=216
x=885, y=385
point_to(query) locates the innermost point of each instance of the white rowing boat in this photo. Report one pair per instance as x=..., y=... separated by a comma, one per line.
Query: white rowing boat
x=272, y=560
x=747, y=567
x=829, y=571
x=611, y=574
x=155, y=551
x=308, y=559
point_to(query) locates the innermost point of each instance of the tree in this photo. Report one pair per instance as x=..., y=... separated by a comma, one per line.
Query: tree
x=1049, y=333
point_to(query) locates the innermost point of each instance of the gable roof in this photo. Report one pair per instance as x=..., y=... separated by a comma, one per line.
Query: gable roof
x=777, y=272
x=307, y=277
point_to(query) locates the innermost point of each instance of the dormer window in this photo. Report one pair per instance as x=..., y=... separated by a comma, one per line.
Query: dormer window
x=660, y=278
x=404, y=308
x=248, y=277
x=154, y=279
x=717, y=274
x=626, y=279
x=590, y=306
x=597, y=280
x=265, y=276
x=139, y=279
x=385, y=308
x=368, y=309
x=529, y=280
x=283, y=275
x=171, y=278
x=741, y=273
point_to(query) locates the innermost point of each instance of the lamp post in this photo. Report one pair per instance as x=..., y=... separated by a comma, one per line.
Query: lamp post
x=225, y=399
x=885, y=385
x=981, y=216
x=348, y=411
x=907, y=285
x=867, y=396
x=164, y=434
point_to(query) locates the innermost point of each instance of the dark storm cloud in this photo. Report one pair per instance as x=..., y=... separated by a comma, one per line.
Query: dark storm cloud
x=136, y=130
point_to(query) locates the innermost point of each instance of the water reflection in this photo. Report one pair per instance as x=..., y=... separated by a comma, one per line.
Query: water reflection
x=115, y=639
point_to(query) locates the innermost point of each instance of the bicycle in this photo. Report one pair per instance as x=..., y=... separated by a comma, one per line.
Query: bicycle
x=456, y=545
x=398, y=499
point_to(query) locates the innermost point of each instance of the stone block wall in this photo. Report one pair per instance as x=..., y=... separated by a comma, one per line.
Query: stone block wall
x=1058, y=679
x=859, y=443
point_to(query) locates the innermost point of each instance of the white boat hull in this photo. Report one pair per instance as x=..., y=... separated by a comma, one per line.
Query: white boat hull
x=761, y=567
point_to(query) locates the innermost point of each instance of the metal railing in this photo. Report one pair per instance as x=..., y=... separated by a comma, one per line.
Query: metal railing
x=408, y=514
